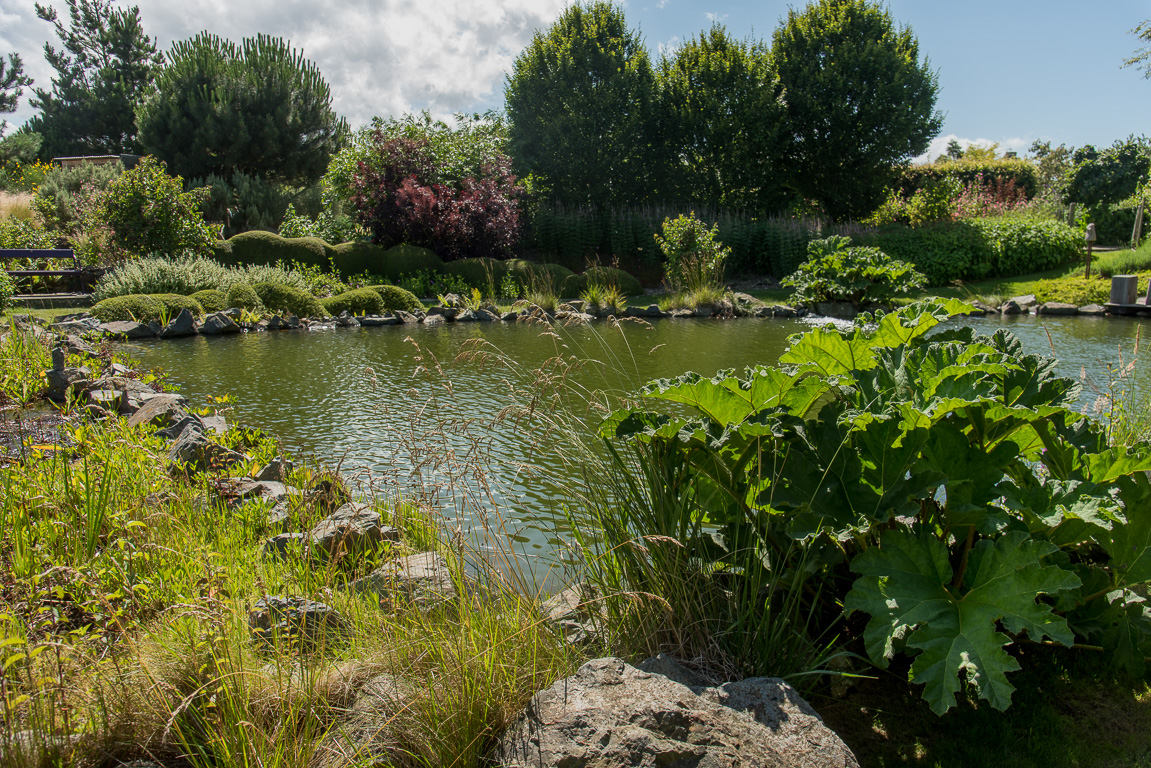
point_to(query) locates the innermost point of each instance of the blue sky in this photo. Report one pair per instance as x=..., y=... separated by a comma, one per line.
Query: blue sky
x=1009, y=71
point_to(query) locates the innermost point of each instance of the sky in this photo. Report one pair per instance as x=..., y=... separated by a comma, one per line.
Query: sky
x=1010, y=72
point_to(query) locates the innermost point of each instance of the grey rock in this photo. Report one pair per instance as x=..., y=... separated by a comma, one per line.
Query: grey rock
x=435, y=320
x=351, y=528
x=276, y=469
x=1056, y=308
x=274, y=323
x=278, y=621
x=59, y=356
x=30, y=321
x=986, y=309
x=127, y=329
x=160, y=411
x=236, y=491
x=61, y=382
x=407, y=318
x=156, y=326
x=108, y=399
x=651, y=310
x=183, y=324
x=215, y=424
x=466, y=316
x=447, y=313
x=219, y=324
x=572, y=613
x=345, y=320
x=452, y=301
x=487, y=316
x=175, y=430
x=128, y=386
x=233, y=312
x=373, y=322
x=421, y=579
x=578, y=305
x=681, y=314
x=1025, y=300
x=195, y=452
x=844, y=310
x=1093, y=310
x=704, y=311
x=291, y=322
x=73, y=344
x=1011, y=307
x=510, y=316
x=612, y=714
x=77, y=326
x=283, y=544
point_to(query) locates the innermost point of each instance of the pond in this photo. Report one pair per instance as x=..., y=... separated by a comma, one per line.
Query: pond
x=396, y=410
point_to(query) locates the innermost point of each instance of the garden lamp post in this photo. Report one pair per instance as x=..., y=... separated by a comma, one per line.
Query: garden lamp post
x=1089, y=238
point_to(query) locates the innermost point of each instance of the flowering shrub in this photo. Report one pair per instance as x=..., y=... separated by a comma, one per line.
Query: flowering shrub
x=951, y=199
x=401, y=196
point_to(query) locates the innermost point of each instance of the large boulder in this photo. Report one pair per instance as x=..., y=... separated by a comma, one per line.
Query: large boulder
x=193, y=451
x=160, y=411
x=352, y=528
x=279, y=621
x=218, y=324
x=422, y=579
x=610, y=713
x=183, y=324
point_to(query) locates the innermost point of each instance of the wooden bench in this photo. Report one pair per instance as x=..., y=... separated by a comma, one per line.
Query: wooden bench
x=61, y=254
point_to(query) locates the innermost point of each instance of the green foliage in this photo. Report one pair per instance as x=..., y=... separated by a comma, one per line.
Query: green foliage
x=7, y=291
x=1022, y=173
x=277, y=297
x=396, y=299
x=327, y=226
x=12, y=82
x=978, y=248
x=1114, y=222
x=148, y=212
x=258, y=108
x=174, y=303
x=103, y=65
x=24, y=233
x=243, y=296
x=21, y=148
x=834, y=271
x=187, y=276
x=608, y=277
x=57, y=198
x=133, y=306
x=1111, y=175
x=719, y=106
x=948, y=470
x=244, y=202
x=580, y=99
x=402, y=260
x=858, y=101
x=212, y=300
x=267, y=248
x=693, y=257
x=1074, y=289
x=358, y=301
x=358, y=258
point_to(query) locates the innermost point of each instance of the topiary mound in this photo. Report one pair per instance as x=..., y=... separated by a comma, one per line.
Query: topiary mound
x=134, y=306
x=358, y=259
x=243, y=296
x=577, y=284
x=266, y=248
x=396, y=299
x=277, y=297
x=174, y=303
x=531, y=275
x=478, y=272
x=358, y=301
x=402, y=260
x=211, y=300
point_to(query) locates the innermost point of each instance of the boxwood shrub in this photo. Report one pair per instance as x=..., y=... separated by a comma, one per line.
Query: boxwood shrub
x=477, y=272
x=243, y=296
x=358, y=301
x=257, y=247
x=396, y=299
x=211, y=300
x=134, y=306
x=174, y=303
x=577, y=284
x=277, y=297
x=402, y=260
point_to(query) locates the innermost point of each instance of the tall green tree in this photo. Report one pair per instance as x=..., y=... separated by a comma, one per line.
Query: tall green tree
x=581, y=100
x=12, y=82
x=858, y=101
x=105, y=61
x=258, y=108
x=722, y=123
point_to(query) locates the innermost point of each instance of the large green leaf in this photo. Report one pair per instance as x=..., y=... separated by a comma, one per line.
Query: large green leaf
x=906, y=585
x=1129, y=543
x=728, y=399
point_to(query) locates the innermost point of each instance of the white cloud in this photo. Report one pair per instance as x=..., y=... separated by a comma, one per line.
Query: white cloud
x=670, y=47
x=662, y=4
x=380, y=57
x=939, y=146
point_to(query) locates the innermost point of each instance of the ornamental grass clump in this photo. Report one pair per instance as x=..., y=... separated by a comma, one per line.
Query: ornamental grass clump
x=836, y=271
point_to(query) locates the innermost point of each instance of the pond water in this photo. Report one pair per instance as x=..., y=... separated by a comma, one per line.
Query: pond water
x=397, y=411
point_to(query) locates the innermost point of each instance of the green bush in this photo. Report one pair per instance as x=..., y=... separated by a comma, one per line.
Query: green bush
x=243, y=296
x=211, y=300
x=221, y=251
x=1076, y=290
x=7, y=291
x=278, y=297
x=408, y=260
x=134, y=306
x=1021, y=246
x=184, y=276
x=267, y=248
x=174, y=303
x=24, y=233
x=396, y=299
x=148, y=211
x=56, y=199
x=693, y=258
x=1113, y=223
x=834, y=271
x=358, y=301
x=1024, y=173
x=478, y=272
x=603, y=276
x=358, y=258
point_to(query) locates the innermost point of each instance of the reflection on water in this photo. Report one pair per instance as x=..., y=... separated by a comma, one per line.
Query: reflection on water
x=394, y=408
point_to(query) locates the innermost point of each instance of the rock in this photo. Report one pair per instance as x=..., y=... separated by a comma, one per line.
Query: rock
x=108, y=399
x=59, y=357
x=681, y=314
x=236, y=491
x=31, y=321
x=612, y=714
x=278, y=621
x=75, y=345
x=452, y=300
x=283, y=544
x=447, y=313
x=406, y=318
x=421, y=579
x=366, y=737
x=1011, y=307
x=435, y=320
x=843, y=310
x=215, y=424
x=487, y=316
x=1024, y=301
x=291, y=322
x=178, y=428
x=127, y=329
x=61, y=382
x=183, y=324
x=78, y=326
x=1056, y=308
x=219, y=324
x=1093, y=310
x=350, y=529
x=194, y=452
x=466, y=316
x=652, y=310
x=986, y=309
x=510, y=316
x=345, y=320
x=372, y=322
x=159, y=411
x=276, y=469
x=570, y=611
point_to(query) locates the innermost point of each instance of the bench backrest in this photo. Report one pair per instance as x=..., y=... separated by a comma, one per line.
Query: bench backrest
x=10, y=254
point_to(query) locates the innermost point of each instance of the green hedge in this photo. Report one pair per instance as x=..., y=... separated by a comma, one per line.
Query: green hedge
x=576, y=284
x=277, y=297
x=358, y=301
x=397, y=299
x=477, y=272
x=1022, y=172
x=1113, y=223
x=144, y=307
x=244, y=296
x=267, y=248
x=211, y=300
x=979, y=248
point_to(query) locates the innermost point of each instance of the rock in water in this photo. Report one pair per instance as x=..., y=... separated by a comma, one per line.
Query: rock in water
x=610, y=713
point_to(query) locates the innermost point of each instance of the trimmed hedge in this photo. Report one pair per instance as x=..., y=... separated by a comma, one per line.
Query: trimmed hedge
x=402, y=260
x=627, y=284
x=396, y=299
x=243, y=296
x=477, y=271
x=357, y=258
x=358, y=301
x=267, y=248
x=277, y=297
x=143, y=307
x=979, y=248
x=1023, y=173
x=211, y=300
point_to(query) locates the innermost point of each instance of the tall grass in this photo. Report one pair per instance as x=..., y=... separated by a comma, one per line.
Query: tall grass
x=185, y=276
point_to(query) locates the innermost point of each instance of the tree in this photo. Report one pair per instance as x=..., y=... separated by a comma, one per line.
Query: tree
x=580, y=99
x=954, y=150
x=259, y=109
x=12, y=82
x=858, y=102
x=104, y=63
x=1142, y=57
x=722, y=122
x=1111, y=175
